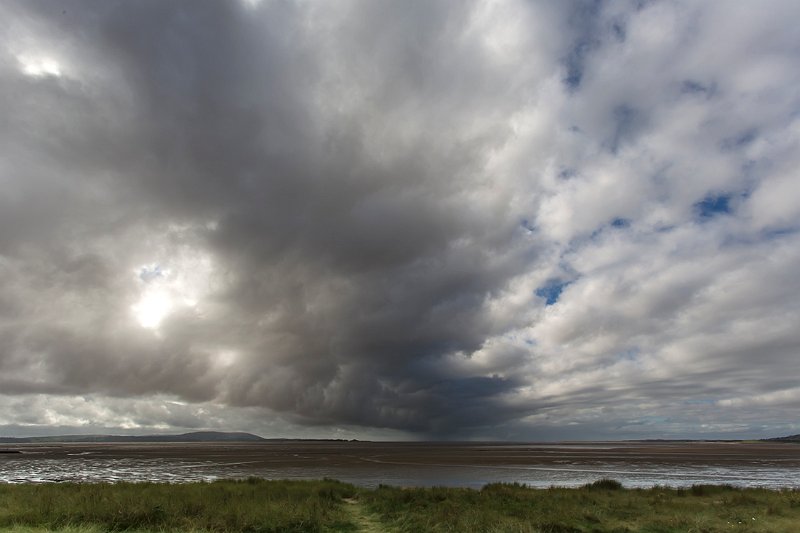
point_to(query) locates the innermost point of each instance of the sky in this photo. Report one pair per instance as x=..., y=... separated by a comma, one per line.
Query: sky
x=512, y=220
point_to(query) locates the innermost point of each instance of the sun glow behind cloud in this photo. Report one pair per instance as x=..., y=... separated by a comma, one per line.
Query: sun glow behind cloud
x=39, y=66
x=152, y=308
x=164, y=290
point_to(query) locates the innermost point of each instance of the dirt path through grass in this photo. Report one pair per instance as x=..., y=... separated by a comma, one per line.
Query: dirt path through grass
x=366, y=521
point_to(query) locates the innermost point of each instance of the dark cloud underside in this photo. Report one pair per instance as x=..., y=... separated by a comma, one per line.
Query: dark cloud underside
x=439, y=218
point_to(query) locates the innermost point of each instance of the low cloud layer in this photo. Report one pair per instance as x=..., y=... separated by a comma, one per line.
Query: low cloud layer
x=391, y=219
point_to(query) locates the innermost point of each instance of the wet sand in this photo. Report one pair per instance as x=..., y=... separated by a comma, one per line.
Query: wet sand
x=310, y=453
x=461, y=464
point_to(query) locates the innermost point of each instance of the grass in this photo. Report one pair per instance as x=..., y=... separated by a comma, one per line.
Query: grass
x=252, y=505
x=330, y=506
x=603, y=506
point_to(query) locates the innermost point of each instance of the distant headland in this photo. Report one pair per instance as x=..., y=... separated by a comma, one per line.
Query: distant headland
x=788, y=438
x=195, y=436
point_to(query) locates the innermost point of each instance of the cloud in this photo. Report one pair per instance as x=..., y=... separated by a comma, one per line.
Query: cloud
x=489, y=219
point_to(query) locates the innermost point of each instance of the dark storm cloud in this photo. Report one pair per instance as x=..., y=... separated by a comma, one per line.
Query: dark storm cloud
x=329, y=172
x=346, y=215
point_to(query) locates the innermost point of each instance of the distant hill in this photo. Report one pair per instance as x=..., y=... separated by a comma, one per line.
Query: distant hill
x=197, y=436
x=790, y=438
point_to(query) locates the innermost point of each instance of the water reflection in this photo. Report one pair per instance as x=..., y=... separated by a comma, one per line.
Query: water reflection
x=404, y=466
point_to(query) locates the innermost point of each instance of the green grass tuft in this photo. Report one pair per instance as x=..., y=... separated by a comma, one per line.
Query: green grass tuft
x=604, y=484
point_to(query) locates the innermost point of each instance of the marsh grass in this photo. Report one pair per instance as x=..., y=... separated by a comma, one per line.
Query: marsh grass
x=327, y=506
x=252, y=505
x=603, y=506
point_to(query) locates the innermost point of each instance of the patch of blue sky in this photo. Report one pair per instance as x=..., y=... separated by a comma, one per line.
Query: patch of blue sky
x=567, y=173
x=150, y=272
x=619, y=31
x=574, y=63
x=620, y=223
x=551, y=291
x=696, y=88
x=713, y=205
x=615, y=223
x=527, y=225
x=584, y=20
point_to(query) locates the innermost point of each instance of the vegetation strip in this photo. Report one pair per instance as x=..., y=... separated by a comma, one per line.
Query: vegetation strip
x=257, y=505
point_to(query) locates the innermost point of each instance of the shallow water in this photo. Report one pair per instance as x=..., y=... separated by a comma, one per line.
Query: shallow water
x=412, y=464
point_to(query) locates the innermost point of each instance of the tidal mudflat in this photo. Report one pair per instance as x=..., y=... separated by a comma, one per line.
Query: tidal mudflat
x=421, y=464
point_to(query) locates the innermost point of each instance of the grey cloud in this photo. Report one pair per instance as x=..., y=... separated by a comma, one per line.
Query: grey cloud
x=340, y=215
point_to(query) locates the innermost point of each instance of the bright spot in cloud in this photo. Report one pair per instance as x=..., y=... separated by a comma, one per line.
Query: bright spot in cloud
x=252, y=4
x=226, y=358
x=39, y=66
x=152, y=308
x=179, y=283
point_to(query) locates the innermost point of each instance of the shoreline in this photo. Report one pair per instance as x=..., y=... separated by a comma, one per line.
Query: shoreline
x=368, y=464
